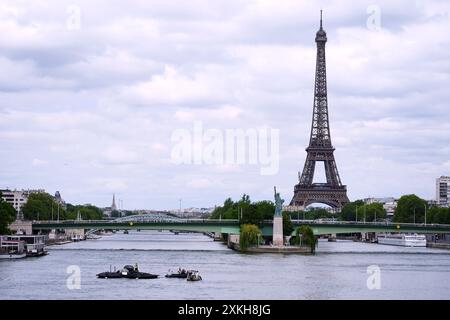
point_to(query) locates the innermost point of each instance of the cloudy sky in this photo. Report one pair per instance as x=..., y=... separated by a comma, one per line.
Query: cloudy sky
x=91, y=93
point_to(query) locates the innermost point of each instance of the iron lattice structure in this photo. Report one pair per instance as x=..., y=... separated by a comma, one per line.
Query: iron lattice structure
x=332, y=193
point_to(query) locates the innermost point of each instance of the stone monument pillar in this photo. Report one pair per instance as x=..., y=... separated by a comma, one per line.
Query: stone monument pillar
x=277, y=234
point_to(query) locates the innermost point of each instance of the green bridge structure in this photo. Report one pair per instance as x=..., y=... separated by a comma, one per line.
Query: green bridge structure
x=233, y=226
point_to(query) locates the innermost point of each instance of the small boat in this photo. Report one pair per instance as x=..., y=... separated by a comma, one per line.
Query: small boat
x=180, y=274
x=76, y=237
x=12, y=249
x=12, y=255
x=125, y=232
x=193, y=276
x=92, y=237
x=37, y=253
x=129, y=272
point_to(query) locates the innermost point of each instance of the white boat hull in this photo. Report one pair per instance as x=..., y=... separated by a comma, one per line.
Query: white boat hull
x=403, y=242
x=13, y=256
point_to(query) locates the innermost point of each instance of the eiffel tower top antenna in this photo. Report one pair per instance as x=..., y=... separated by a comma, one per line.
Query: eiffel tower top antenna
x=320, y=19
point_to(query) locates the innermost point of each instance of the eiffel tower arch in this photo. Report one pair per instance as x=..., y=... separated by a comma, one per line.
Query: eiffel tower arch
x=320, y=149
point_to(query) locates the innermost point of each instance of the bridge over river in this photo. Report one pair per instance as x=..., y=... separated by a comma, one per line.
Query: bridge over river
x=232, y=226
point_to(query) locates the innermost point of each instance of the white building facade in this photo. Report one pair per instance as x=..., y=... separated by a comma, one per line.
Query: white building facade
x=17, y=198
x=443, y=191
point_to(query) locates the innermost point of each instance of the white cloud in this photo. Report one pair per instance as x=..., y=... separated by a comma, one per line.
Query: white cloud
x=38, y=162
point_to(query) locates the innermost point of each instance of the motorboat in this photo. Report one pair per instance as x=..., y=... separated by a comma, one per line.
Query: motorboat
x=193, y=276
x=181, y=274
x=132, y=272
x=111, y=275
x=129, y=272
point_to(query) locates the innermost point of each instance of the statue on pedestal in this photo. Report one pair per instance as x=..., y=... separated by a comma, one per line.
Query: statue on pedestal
x=278, y=203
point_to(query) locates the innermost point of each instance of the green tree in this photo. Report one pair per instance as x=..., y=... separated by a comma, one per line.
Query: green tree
x=438, y=215
x=87, y=212
x=348, y=211
x=115, y=214
x=39, y=206
x=304, y=236
x=288, y=227
x=7, y=215
x=368, y=212
x=244, y=210
x=219, y=212
x=409, y=208
x=250, y=214
x=266, y=209
x=249, y=236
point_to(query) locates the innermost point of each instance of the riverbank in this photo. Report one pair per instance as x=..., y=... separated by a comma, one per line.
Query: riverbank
x=438, y=245
x=284, y=250
x=54, y=242
x=233, y=243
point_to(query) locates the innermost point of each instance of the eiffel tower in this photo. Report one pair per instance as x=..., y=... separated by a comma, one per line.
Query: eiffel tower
x=332, y=193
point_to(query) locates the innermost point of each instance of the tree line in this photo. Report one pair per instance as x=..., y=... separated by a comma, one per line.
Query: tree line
x=250, y=213
x=43, y=206
x=410, y=209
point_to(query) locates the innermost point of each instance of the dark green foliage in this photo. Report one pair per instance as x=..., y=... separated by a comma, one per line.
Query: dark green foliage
x=409, y=208
x=304, y=236
x=288, y=227
x=348, y=212
x=369, y=212
x=438, y=215
x=7, y=215
x=115, y=214
x=39, y=206
x=250, y=235
x=87, y=212
x=246, y=211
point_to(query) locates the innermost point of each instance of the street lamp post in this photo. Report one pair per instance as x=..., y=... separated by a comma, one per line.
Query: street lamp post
x=425, y=206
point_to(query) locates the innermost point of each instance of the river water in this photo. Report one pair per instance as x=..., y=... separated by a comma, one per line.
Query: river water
x=339, y=270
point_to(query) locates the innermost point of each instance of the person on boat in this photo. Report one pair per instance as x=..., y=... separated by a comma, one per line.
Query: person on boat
x=136, y=267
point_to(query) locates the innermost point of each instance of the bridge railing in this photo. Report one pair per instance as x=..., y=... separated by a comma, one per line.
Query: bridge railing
x=235, y=221
x=370, y=223
x=206, y=221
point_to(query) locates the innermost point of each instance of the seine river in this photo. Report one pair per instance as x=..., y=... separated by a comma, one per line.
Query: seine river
x=337, y=271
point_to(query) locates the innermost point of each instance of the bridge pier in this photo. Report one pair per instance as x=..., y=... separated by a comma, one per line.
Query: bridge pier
x=218, y=236
x=22, y=227
x=233, y=241
x=75, y=234
x=363, y=236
